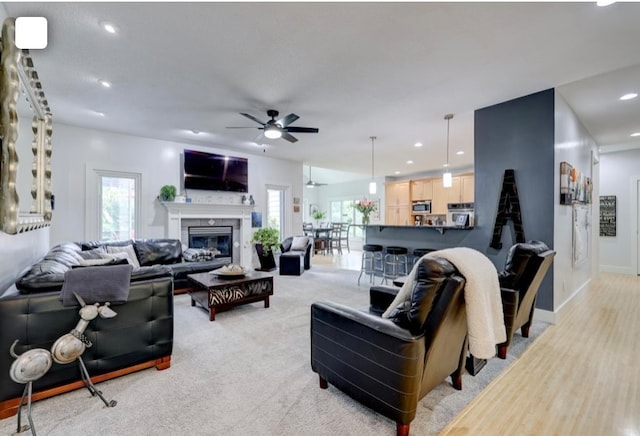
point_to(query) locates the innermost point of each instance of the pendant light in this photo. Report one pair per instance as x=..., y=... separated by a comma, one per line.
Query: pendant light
x=447, y=178
x=372, y=183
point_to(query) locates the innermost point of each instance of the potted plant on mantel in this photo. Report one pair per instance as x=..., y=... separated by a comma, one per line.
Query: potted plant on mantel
x=167, y=193
x=266, y=239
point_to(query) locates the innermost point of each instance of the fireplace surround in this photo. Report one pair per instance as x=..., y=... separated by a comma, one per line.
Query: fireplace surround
x=181, y=216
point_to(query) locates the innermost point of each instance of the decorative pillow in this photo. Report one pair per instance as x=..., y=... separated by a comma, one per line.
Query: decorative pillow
x=96, y=253
x=98, y=262
x=130, y=253
x=299, y=243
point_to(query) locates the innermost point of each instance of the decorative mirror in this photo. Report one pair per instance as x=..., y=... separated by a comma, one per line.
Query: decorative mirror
x=25, y=135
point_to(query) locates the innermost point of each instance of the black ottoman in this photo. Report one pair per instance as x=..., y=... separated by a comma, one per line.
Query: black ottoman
x=291, y=264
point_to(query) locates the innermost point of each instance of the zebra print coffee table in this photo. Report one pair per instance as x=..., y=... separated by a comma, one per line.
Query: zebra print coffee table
x=216, y=294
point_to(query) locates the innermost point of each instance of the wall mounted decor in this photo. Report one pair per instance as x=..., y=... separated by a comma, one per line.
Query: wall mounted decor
x=566, y=185
x=607, y=215
x=574, y=185
x=25, y=168
x=508, y=209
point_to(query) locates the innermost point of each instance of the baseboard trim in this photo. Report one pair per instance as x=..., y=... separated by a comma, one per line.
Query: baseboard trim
x=10, y=407
x=545, y=316
x=617, y=269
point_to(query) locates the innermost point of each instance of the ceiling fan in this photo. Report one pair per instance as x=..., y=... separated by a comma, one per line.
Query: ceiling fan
x=311, y=183
x=278, y=128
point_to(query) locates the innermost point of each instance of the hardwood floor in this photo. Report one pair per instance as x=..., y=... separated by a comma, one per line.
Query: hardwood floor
x=580, y=377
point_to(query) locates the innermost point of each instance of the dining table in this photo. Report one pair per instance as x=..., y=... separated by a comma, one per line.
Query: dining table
x=321, y=236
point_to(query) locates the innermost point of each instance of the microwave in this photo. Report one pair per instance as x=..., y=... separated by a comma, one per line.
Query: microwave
x=421, y=207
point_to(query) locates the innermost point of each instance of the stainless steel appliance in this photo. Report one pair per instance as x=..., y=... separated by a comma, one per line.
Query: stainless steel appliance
x=460, y=214
x=421, y=207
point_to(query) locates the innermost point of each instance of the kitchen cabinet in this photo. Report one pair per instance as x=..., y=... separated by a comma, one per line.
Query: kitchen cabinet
x=442, y=196
x=398, y=216
x=397, y=204
x=467, y=191
x=397, y=193
x=421, y=189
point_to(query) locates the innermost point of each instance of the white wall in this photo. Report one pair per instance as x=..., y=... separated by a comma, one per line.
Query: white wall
x=158, y=161
x=619, y=173
x=574, y=145
x=19, y=251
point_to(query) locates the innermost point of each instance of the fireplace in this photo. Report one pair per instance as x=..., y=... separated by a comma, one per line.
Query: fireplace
x=213, y=237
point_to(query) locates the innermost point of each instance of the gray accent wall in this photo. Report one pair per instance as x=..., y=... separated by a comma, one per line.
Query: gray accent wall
x=519, y=135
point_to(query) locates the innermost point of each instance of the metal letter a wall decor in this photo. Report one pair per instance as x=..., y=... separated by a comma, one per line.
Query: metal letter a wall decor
x=508, y=208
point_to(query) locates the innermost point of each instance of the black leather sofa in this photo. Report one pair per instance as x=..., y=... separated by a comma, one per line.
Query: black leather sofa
x=48, y=273
x=139, y=337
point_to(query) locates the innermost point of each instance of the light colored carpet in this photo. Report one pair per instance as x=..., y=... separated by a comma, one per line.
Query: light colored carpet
x=249, y=373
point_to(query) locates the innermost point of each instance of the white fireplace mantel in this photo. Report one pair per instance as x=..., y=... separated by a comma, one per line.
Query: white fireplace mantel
x=176, y=212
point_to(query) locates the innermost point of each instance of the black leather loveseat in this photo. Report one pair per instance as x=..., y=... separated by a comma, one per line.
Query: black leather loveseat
x=48, y=273
x=139, y=337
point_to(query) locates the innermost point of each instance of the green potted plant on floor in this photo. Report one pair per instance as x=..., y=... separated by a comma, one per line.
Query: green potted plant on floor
x=267, y=240
x=167, y=193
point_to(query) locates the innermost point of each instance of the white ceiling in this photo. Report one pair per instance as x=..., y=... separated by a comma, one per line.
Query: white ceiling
x=353, y=70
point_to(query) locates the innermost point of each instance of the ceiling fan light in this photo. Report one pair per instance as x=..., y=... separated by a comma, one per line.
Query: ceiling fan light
x=447, y=180
x=272, y=132
x=372, y=187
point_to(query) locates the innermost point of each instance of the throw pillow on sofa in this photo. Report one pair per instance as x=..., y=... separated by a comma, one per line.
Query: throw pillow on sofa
x=128, y=249
x=96, y=253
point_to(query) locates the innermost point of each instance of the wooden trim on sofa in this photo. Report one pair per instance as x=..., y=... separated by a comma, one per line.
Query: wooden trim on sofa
x=10, y=407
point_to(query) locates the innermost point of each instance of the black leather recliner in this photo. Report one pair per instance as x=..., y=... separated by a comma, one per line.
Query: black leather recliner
x=390, y=364
x=526, y=265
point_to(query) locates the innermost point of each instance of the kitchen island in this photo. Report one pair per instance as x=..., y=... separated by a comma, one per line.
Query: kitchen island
x=412, y=237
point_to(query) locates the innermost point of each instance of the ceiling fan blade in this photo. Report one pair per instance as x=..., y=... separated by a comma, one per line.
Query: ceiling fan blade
x=290, y=138
x=302, y=130
x=284, y=122
x=252, y=118
x=243, y=127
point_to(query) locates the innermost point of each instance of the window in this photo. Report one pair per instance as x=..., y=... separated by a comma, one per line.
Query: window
x=113, y=213
x=118, y=207
x=275, y=209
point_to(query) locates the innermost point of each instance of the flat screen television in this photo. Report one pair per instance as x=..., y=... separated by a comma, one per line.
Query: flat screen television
x=215, y=172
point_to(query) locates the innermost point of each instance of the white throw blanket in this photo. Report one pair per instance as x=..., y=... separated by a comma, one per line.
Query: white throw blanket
x=485, y=319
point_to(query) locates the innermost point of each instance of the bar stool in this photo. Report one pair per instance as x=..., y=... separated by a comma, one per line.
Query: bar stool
x=371, y=254
x=394, y=261
x=419, y=252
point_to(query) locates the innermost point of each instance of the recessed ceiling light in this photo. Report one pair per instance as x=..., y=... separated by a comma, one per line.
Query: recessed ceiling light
x=104, y=83
x=396, y=172
x=460, y=153
x=100, y=114
x=629, y=96
x=605, y=2
x=109, y=27
x=409, y=162
x=418, y=144
x=445, y=165
x=635, y=134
